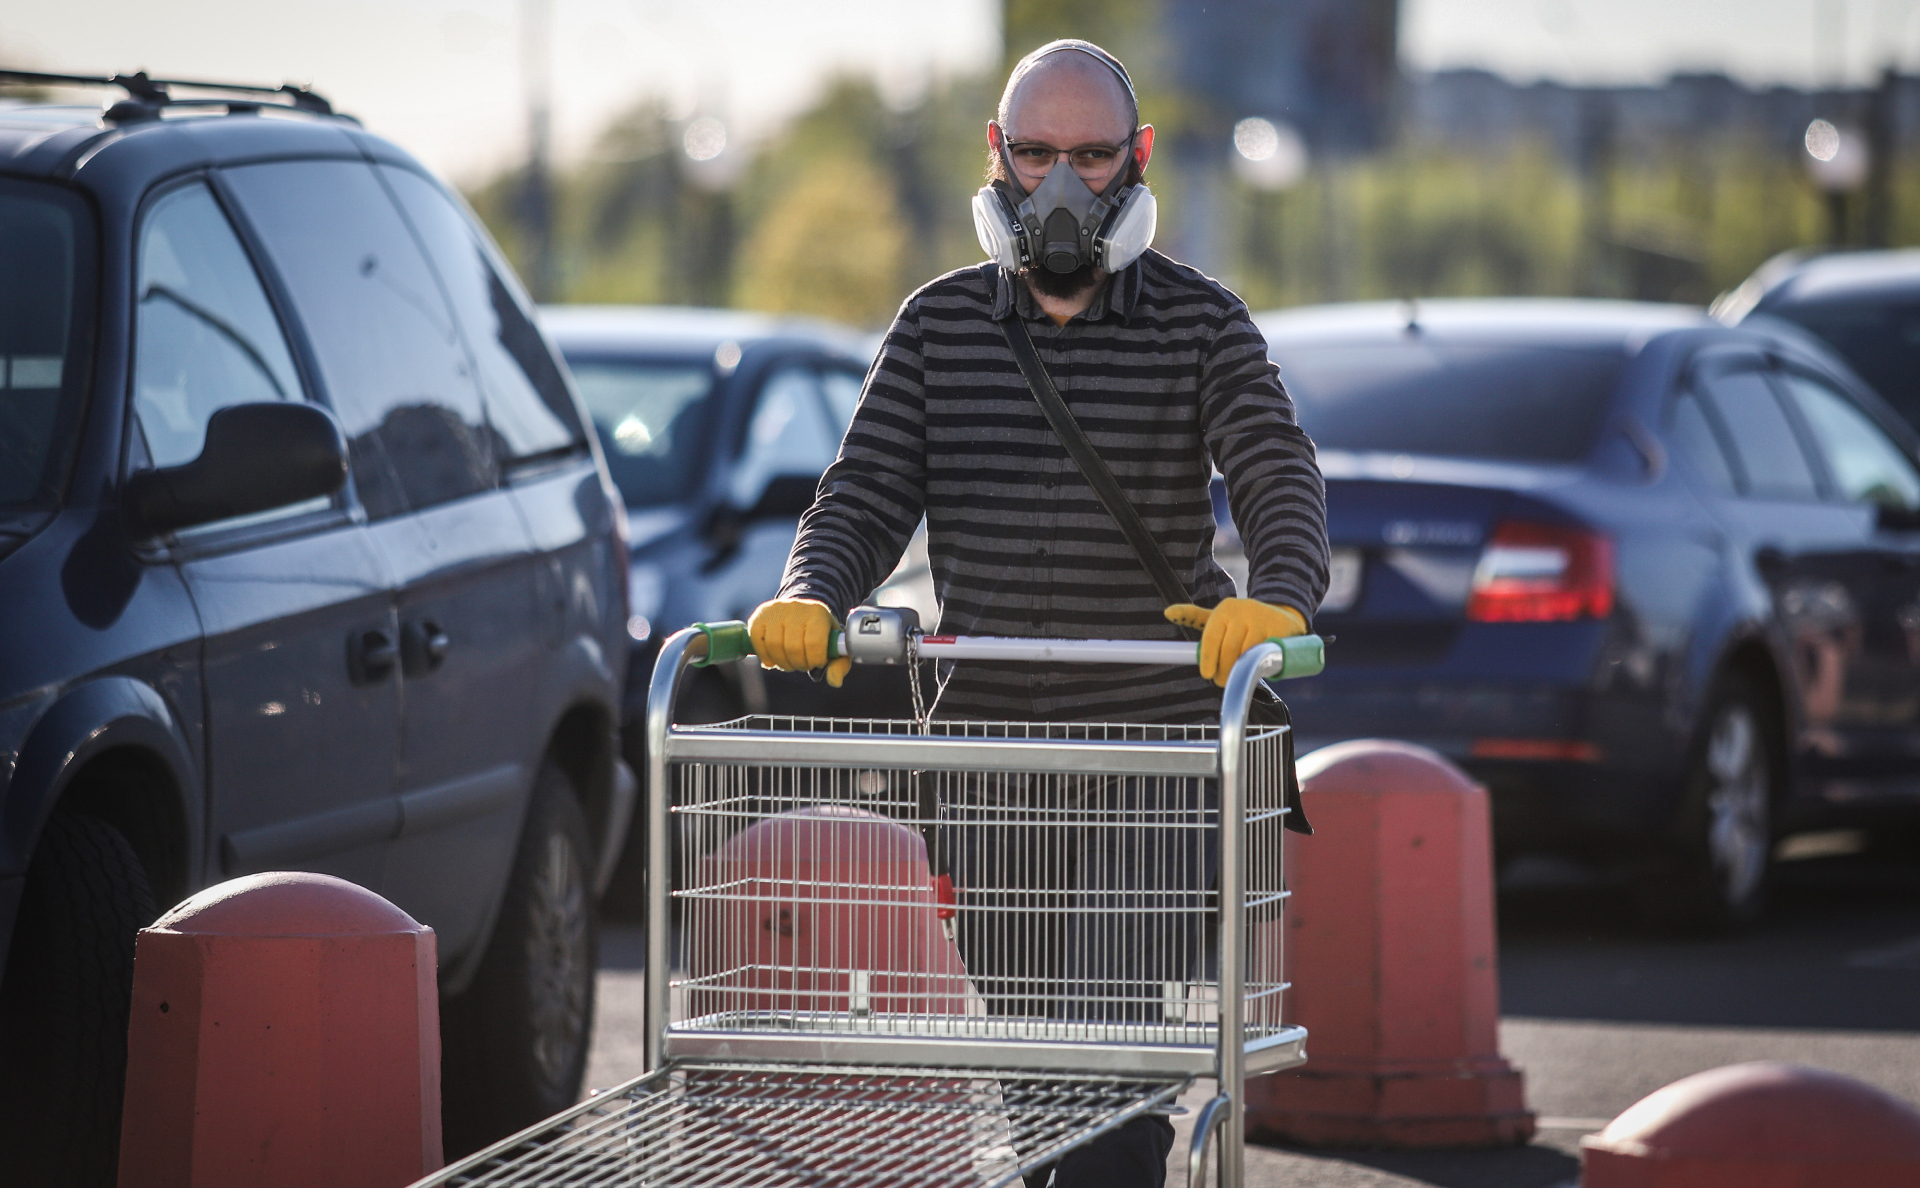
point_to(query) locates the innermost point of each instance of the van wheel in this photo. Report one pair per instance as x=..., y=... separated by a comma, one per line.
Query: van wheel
x=514, y=1046
x=64, y=1004
x=1714, y=876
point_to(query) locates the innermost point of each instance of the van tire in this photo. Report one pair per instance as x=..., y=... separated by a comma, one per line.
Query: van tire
x=514, y=1045
x=64, y=1003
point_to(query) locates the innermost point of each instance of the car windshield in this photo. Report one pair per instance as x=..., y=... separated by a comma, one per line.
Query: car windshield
x=1524, y=403
x=1878, y=339
x=45, y=267
x=651, y=416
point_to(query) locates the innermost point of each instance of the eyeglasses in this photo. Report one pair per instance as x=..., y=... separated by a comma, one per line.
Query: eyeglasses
x=1090, y=161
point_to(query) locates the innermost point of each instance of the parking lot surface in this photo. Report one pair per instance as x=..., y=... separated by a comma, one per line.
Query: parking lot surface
x=1599, y=1012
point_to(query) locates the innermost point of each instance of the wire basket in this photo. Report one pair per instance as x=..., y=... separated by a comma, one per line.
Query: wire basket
x=1081, y=925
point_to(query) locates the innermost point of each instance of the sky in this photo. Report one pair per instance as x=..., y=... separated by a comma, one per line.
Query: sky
x=445, y=78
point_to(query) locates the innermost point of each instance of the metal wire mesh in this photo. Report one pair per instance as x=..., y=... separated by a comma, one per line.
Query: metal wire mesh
x=772, y=1125
x=1084, y=907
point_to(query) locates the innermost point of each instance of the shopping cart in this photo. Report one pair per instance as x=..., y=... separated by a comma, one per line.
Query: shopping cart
x=940, y=952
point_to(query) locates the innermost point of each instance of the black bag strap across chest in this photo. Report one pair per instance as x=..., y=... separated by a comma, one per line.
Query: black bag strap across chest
x=1092, y=466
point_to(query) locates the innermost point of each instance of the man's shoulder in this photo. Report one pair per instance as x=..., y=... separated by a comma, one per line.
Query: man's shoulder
x=964, y=289
x=1166, y=282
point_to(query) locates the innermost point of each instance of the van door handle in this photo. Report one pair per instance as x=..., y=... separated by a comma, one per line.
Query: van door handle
x=370, y=655
x=423, y=647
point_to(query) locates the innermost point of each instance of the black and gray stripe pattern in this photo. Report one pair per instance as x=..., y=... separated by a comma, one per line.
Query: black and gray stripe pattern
x=1169, y=378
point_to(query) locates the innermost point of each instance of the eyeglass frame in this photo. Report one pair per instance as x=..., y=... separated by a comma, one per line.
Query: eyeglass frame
x=1120, y=153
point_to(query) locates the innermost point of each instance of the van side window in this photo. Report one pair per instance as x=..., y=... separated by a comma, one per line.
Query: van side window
x=1698, y=441
x=205, y=336
x=527, y=400
x=1772, y=463
x=1866, y=465
x=390, y=357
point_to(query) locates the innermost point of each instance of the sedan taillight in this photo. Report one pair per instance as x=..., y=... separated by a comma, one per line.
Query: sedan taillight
x=1540, y=573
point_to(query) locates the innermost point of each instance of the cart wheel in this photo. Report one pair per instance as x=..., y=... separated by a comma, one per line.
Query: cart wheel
x=1714, y=876
x=64, y=1002
x=514, y=1046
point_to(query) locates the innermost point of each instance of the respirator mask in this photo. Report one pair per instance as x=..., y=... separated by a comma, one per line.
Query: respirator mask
x=1063, y=226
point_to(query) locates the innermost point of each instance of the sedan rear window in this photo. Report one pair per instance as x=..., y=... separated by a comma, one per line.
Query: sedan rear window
x=1522, y=403
x=45, y=287
x=651, y=417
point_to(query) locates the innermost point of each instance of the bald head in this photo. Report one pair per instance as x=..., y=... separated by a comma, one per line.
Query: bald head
x=1067, y=85
x=1067, y=94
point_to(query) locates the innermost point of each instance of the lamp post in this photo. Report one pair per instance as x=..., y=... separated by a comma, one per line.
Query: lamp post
x=1838, y=161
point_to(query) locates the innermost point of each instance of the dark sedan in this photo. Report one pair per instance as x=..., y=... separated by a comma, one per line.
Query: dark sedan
x=1653, y=579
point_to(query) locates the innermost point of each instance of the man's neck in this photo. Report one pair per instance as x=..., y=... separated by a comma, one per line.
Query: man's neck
x=1063, y=309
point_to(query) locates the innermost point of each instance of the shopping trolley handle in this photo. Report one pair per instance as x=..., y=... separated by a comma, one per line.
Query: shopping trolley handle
x=892, y=635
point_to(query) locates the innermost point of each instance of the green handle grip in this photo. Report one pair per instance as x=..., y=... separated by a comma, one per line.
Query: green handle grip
x=729, y=641
x=1305, y=656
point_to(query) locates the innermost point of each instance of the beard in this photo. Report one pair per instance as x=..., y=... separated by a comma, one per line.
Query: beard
x=1059, y=284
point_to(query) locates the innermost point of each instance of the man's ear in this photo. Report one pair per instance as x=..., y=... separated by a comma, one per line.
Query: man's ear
x=1143, y=146
x=994, y=136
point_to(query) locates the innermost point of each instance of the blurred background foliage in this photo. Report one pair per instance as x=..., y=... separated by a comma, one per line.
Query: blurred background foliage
x=858, y=201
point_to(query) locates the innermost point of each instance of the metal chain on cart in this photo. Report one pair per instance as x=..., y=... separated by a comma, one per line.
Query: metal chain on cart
x=913, y=683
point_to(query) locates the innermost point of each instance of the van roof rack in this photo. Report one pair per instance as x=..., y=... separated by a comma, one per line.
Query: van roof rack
x=146, y=96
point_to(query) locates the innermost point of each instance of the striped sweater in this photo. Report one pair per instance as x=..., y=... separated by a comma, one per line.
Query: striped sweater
x=1169, y=378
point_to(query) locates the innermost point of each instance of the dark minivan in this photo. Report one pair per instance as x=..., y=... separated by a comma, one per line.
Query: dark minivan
x=307, y=562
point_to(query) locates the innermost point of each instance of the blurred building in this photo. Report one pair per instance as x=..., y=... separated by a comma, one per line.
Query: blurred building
x=1477, y=110
x=1325, y=67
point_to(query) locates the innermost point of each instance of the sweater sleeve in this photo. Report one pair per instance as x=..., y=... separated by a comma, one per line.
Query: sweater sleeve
x=871, y=498
x=1274, y=488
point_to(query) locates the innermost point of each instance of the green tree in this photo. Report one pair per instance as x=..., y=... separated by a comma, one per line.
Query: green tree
x=830, y=244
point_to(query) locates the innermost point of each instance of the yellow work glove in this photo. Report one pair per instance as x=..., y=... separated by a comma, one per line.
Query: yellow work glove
x=790, y=634
x=1232, y=627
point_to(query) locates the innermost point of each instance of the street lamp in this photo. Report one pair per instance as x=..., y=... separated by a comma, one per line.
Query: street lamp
x=1838, y=160
x=1268, y=155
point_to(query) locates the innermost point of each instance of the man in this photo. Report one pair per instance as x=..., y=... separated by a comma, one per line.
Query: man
x=1168, y=376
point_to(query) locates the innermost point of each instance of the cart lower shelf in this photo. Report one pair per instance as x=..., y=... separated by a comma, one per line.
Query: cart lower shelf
x=770, y=1125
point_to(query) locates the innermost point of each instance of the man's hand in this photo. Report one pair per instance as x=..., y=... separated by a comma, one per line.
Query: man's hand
x=1231, y=628
x=790, y=634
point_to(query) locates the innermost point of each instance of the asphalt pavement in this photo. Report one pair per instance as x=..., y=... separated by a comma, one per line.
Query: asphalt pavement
x=1598, y=1012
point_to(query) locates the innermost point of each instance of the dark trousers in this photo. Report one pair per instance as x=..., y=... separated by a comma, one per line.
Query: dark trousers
x=1083, y=899
x=1133, y=1154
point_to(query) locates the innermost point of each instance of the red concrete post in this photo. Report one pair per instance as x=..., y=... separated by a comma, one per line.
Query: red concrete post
x=1758, y=1125
x=1390, y=949
x=285, y=1034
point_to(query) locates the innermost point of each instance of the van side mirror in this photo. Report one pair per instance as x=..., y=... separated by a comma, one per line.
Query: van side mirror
x=256, y=457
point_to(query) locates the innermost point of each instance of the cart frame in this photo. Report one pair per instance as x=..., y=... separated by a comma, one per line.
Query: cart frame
x=1224, y=759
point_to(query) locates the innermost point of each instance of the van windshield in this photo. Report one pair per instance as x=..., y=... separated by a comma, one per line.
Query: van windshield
x=46, y=266
x=651, y=416
x=1519, y=403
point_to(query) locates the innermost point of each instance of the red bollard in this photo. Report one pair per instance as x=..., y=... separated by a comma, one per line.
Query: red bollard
x=1390, y=949
x=285, y=1034
x=1760, y=1125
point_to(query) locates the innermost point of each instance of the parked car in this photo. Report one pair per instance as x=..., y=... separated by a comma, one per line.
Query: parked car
x=307, y=562
x=1865, y=305
x=716, y=427
x=1652, y=579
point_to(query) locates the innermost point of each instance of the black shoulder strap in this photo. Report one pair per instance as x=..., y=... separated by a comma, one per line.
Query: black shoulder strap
x=1092, y=465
